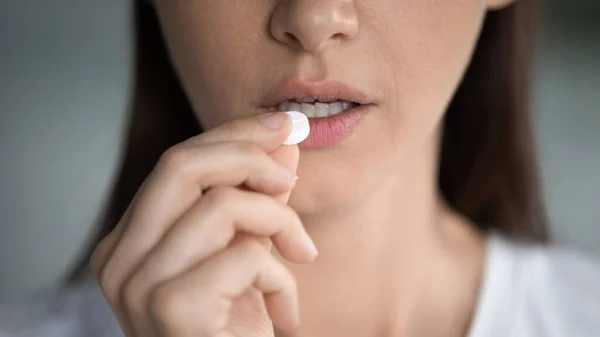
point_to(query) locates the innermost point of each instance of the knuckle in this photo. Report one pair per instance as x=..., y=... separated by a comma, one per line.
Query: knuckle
x=292, y=219
x=171, y=309
x=220, y=197
x=175, y=157
x=288, y=281
x=166, y=304
x=254, y=249
x=98, y=258
x=220, y=208
x=133, y=293
x=174, y=310
x=109, y=285
x=246, y=148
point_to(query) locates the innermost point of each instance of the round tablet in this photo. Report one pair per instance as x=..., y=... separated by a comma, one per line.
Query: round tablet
x=300, y=128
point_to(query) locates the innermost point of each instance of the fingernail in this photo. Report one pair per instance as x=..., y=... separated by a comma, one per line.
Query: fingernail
x=310, y=244
x=300, y=128
x=274, y=120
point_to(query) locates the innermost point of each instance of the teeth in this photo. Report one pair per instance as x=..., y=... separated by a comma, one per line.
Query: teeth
x=335, y=108
x=315, y=108
x=283, y=106
x=308, y=109
x=293, y=106
x=322, y=109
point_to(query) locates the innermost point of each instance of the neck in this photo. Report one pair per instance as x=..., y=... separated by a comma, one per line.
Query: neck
x=382, y=263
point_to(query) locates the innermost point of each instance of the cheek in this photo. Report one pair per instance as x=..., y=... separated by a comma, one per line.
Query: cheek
x=429, y=44
x=421, y=49
x=214, y=55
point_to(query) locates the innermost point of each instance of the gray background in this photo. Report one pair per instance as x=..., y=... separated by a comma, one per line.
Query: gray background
x=64, y=79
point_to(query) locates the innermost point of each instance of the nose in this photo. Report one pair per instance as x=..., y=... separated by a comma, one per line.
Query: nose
x=312, y=25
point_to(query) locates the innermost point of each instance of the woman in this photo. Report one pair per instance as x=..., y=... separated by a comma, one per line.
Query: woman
x=417, y=183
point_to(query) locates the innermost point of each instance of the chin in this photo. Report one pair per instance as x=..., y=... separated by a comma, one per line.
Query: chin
x=329, y=190
x=340, y=179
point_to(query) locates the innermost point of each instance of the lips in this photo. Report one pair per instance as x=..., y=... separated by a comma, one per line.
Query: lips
x=333, y=108
x=323, y=92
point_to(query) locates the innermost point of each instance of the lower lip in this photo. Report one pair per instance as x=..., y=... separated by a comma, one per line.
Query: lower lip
x=329, y=131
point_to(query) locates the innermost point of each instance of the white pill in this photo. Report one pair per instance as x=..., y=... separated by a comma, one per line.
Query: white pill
x=300, y=128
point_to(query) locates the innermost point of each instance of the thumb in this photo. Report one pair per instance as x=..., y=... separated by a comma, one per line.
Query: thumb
x=289, y=156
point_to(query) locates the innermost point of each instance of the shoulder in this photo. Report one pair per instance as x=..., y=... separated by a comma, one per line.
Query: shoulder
x=565, y=290
x=76, y=311
x=539, y=290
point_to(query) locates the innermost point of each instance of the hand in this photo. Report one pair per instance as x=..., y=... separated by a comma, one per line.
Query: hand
x=191, y=255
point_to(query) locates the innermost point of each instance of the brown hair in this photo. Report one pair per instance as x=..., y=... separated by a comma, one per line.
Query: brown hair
x=487, y=170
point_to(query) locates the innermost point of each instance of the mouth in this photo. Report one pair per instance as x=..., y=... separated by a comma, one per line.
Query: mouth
x=315, y=100
x=313, y=108
x=333, y=109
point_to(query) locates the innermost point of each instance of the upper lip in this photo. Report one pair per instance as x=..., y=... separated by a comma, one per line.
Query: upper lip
x=322, y=90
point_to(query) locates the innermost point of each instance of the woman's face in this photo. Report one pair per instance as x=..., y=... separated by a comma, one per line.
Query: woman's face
x=406, y=56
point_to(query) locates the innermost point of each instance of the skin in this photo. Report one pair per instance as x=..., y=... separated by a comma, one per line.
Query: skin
x=192, y=255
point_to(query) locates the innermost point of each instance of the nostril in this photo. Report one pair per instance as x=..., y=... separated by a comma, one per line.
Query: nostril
x=292, y=38
x=340, y=36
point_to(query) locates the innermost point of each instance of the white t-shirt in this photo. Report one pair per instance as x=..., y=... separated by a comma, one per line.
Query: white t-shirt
x=533, y=291
x=527, y=291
